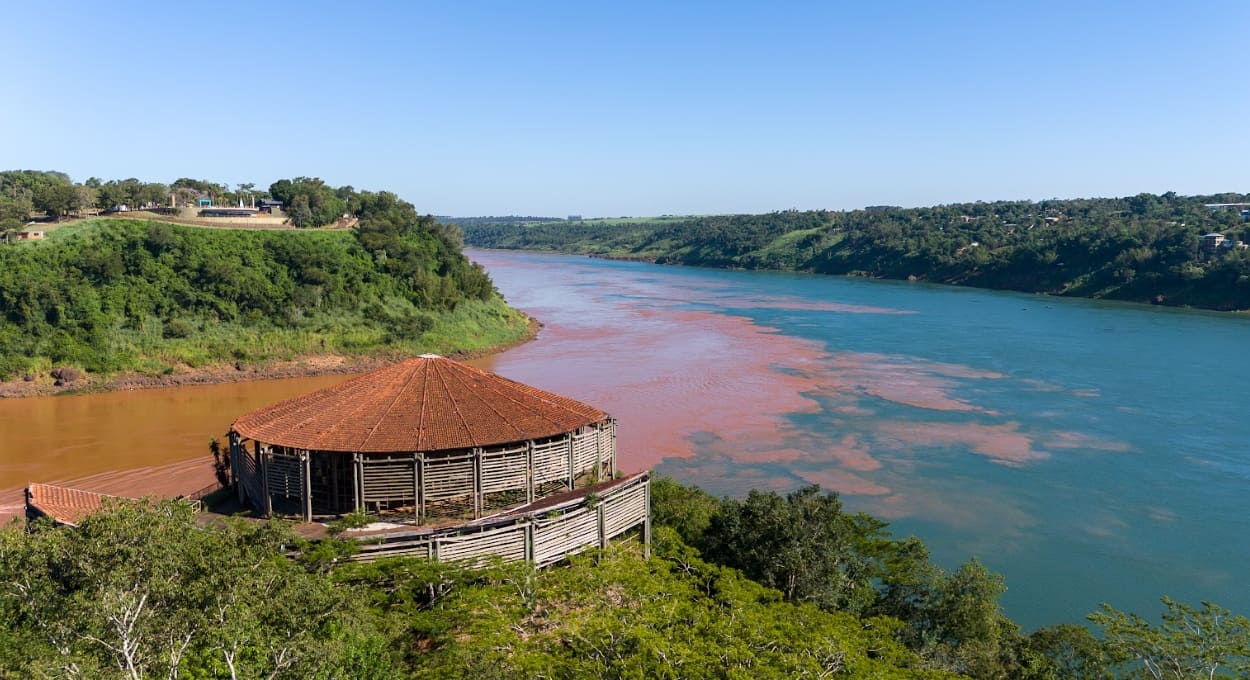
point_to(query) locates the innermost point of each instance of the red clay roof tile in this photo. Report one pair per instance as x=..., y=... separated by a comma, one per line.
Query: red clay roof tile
x=428, y=403
x=63, y=504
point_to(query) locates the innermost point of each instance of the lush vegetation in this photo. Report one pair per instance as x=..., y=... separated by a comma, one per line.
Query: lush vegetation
x=49, y=196
x=1141, y=248
x=767, y=586
x=110, y=294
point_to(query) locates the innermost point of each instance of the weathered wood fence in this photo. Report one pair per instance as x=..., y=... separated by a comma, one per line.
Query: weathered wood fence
x=542, y=536
x=458, y=484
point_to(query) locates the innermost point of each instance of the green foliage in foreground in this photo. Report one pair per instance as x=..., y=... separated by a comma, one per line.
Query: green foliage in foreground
x=805, y=545
x=138, y=592
x=141, y=591
x=112, y=295
x=1139, y=248
x=1191, y=642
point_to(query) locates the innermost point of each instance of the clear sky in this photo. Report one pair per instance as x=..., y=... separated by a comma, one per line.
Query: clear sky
x=638, y=108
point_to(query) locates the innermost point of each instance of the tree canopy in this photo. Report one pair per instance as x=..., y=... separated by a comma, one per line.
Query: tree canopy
x=145, y=589
x=1142, y=248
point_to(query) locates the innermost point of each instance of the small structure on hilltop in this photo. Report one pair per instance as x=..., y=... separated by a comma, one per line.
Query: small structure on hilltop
x=1211, y=242
x=227, y=212
x=268, y=205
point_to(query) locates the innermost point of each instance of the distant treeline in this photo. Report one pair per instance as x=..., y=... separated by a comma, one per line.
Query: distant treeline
x=768, y=586
x=464, y=222
x=1143, y=248
x=110, y=294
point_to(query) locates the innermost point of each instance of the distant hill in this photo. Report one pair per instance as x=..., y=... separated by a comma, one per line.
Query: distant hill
x=1146, y=248
x=110, y=295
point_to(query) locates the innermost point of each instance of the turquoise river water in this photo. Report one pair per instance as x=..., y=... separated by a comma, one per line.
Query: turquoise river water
x=1089, y=451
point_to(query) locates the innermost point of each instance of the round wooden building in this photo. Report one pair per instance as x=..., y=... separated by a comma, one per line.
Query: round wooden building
x=423, y=439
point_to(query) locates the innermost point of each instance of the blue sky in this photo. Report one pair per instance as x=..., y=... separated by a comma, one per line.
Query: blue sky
x=639, y=108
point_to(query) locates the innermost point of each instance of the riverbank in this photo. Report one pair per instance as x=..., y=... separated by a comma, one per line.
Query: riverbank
x=299, y=367
x=1165, y=250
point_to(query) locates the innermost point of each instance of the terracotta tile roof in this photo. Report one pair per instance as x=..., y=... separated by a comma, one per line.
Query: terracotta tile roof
x=429, y=403
x=63, y=504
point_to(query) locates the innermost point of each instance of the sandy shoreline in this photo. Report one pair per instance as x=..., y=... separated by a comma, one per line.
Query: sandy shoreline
x=303, y=366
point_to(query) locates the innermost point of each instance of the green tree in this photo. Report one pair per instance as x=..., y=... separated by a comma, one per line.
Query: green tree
x=803, y=545
x=140, y=591
x=1191, y=642
x=1066, y=652
x=301, y=215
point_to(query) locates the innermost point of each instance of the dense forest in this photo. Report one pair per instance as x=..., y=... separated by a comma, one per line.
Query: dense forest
x=110, y=294
x=1145, y=248
x=767, y=586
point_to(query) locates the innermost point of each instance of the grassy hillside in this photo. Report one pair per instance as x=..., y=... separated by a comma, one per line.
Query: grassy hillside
x=1140, y=248
x=111, y=295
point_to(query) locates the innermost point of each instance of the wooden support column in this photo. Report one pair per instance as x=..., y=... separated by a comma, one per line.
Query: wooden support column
x=416, y=488
x=572, y=466
x=358, y=483
x=612, y=452
x=264, y=479
x=598, y=453
x=236, y=464
x=529, y=542
x=603, y=526
x=477, y=483
x=529, y=471
x=306, y=491
x=420, y=488
x=646, y=523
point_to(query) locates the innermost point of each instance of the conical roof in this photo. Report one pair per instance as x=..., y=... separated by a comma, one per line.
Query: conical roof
x=429, y=403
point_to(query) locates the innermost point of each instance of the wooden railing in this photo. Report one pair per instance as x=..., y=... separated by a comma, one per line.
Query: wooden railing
x=542, y=537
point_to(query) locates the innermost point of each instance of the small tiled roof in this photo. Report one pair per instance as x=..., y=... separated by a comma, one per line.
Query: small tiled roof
x=63, y=504
x=429, y=403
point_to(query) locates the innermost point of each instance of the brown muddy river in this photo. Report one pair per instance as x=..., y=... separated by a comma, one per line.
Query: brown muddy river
x=130, y=443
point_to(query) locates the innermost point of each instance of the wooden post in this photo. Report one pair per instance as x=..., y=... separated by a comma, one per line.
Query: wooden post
x=358, y=483
x=416, y=487
x=306, y=491
x=612, y=452
x=264, y=479
x=529, y=542
x=236, y=465
x=572, y=466
x=420, y=488
x=603, y=526
x=477, y=483
x=646, y=523
x=599, y=453
x=529, y=471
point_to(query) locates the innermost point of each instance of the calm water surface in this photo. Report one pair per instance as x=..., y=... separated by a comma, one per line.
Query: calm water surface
x=1089, y=451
